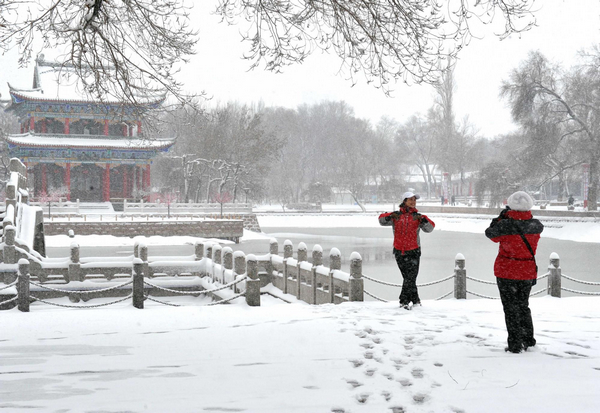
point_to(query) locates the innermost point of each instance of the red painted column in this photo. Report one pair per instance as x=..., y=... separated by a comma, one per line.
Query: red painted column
x=138, y=176
x=44, y=179
x=67, y=126
x=139, y=126
x=22, y=128
x=124, y=181
x=147, y=176
x=105, y=127
x=68, y=180
x=32, y=124
x=106, y=184
x=44, y=126
x=124, y=128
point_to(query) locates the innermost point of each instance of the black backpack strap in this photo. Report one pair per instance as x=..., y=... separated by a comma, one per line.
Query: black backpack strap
x=526, y=244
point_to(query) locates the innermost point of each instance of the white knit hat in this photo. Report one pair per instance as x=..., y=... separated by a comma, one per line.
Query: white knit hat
x=520, y=201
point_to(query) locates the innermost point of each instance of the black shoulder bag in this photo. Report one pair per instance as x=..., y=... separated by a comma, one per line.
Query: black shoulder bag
x=529, y=248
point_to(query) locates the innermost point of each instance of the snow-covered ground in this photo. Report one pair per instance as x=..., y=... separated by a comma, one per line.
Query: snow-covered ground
x=446, y=356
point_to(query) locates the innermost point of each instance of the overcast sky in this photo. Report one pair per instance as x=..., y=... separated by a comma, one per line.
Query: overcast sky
x=564, y=27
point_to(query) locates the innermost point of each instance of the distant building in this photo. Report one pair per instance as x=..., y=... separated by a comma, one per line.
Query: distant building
x=89, y=150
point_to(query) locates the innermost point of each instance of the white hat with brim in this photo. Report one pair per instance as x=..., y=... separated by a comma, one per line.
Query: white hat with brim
x=409, y=194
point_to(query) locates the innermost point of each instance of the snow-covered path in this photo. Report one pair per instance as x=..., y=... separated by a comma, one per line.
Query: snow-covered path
x=446, y=356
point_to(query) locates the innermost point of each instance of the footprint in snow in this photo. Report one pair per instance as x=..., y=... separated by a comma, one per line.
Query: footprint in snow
x=405, y=382
x=417, y=373
x=370, y=372
x=354, y=383
x=363, y=397
x=420, y=398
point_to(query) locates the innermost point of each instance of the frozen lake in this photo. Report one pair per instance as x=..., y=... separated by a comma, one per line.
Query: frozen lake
x=579, y=260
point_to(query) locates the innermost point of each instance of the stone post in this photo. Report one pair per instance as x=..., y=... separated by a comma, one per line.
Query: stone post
x=335, y=263
x=554, y=279
x=302, y=257
x=10, y=255
x=74, y=272
x=199, y=250
x=288, y=252
x=317, y=260
x=199, y=256
x=273, y=252
x=252, y=282
x=460, y=277
x=143, y=251
x=227, y=256
x=11, y=200
x=138, y=283
x=217, y=263
x=357, y=288
x=273, y=246
x=136, y=250
x=239, y=263
x=23, y=286
x=209, y=249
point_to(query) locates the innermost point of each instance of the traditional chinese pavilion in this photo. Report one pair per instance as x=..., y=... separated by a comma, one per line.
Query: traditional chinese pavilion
x=89, y=150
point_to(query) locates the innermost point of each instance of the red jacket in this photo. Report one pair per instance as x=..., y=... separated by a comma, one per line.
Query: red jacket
x=514, y=261
x=407, y=227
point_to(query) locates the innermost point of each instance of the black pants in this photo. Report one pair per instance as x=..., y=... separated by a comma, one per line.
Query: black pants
x=409, y=267
x=517, y=315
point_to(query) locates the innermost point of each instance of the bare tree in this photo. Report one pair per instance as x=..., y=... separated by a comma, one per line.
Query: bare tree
x=573, y=99
x=119, y=49
x=418, y=139
x=128, y=49
x=383, y=39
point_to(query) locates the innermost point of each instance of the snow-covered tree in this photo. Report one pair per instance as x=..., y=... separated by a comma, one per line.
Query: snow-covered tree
x=134, y=46
x=384, y=40
x=570, y=99
x=124, y=49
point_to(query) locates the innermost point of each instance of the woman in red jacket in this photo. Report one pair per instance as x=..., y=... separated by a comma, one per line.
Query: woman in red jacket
x=515, y=269
x=407, y=224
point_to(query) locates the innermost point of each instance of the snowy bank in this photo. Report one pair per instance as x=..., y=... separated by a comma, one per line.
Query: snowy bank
x=579, y=230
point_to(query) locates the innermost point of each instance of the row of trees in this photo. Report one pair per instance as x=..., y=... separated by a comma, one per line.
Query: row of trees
x=296, y=155
x=232, y=151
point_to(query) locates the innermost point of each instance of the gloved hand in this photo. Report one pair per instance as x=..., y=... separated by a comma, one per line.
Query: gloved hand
x=504, y=212
x=394, y=215
x=418, y=217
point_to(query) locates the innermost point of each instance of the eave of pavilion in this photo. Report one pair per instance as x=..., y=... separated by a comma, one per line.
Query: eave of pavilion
x=28, y=101
x=90, y=142
x=33, y=96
